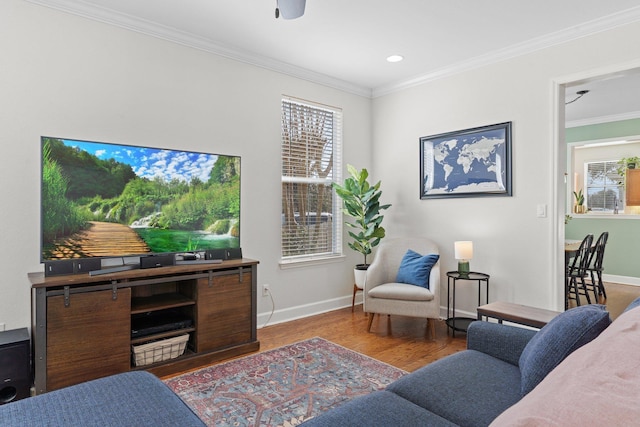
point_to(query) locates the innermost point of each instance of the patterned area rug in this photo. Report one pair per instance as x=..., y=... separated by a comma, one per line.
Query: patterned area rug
x=281, y=387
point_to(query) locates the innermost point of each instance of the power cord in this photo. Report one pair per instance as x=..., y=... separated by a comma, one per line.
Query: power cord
x=273, y=308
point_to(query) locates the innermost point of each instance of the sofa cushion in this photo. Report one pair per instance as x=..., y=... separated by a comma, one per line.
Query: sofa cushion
x=378, y=409
x=468, y=388
x=401, y=291
x=598, y=384
x=129, y=399
x=415, y=269
x=567, y=332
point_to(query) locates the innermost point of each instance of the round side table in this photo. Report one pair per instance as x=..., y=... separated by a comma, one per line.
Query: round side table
x=461, y=324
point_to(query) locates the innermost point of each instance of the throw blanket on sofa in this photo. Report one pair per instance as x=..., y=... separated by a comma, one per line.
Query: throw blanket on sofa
x=598, y=384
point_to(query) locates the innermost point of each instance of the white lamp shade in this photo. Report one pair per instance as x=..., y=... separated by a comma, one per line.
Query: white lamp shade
x=463, y=250
x=291, y=9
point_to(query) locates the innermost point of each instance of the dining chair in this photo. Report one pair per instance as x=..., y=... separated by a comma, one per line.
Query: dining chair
x=595, y=268
x=576, y=271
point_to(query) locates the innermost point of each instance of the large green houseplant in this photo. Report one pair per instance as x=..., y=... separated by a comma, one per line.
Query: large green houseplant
x=362, y=203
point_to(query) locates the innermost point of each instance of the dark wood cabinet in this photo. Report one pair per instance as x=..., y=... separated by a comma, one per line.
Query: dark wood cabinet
x=92, y=330
x=632, y=183
x=82, y=324
x=223, y=322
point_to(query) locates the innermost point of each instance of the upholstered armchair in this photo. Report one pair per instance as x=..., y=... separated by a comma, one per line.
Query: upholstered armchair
x=384, y=295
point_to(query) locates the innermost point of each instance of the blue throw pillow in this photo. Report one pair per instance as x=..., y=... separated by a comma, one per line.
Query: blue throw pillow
x=566, y=333
x=415, y=268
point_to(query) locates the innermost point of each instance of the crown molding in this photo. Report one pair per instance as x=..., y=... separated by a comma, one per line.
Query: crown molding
x=186, y=39
x=156, y=30
x=595, y=26
x=603, y=119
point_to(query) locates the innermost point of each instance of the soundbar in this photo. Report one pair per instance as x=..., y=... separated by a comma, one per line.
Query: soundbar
x=200, y=261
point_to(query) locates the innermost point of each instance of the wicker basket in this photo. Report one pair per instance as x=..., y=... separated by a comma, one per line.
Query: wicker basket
x=157, y=351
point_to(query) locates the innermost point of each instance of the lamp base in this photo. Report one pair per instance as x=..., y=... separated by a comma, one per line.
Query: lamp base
x=463, y=267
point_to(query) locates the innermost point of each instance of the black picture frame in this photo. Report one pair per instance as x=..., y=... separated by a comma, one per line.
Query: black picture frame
x=472, y=162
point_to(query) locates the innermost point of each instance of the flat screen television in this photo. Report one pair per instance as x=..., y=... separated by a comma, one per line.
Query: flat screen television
x=115, y=200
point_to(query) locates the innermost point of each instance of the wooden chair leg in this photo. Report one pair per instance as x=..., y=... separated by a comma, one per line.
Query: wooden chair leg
x=370, y=321
x=601, y=285
x=353, y=300
x=583, y=285
x=431, y=328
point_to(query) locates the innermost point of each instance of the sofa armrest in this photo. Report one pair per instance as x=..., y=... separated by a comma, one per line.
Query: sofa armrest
x=503, y=342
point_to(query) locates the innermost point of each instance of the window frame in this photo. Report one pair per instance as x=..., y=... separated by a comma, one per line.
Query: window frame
x=334, y=252
x=605, y=186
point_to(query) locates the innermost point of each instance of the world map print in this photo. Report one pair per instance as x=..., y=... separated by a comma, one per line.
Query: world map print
x=465, y=163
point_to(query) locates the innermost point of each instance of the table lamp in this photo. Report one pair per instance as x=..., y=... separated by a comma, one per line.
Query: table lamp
x=463, y=253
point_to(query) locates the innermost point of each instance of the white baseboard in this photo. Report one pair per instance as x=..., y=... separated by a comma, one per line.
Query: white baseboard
x=302, y=311
x=306, y=310
x=623, y=280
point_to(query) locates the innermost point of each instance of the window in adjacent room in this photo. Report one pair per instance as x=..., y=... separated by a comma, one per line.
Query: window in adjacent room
x=311, y=161
x=604, y=187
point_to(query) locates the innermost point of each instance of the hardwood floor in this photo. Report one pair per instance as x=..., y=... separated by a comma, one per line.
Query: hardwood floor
x=402, y=342
x=399, y=341
x=618, y=297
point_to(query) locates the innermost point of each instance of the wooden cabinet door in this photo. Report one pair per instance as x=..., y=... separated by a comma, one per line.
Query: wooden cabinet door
x=88, y=339
x=633, y=187
x=223, y=311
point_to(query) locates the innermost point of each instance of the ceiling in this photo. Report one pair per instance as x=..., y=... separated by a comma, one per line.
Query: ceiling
x=344, y=43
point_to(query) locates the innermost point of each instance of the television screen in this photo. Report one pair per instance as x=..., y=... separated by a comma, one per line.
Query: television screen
x=115, y=200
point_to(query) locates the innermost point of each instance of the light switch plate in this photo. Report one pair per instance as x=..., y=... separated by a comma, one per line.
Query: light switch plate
x=541, y=211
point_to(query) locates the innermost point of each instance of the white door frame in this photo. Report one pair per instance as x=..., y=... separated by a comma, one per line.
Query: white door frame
x=559, y=154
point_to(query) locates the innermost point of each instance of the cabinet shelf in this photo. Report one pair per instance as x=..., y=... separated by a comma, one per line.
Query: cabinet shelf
x=159, y=302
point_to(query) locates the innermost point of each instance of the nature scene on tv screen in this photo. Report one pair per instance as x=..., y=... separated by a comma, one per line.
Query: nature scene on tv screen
x=101, y=200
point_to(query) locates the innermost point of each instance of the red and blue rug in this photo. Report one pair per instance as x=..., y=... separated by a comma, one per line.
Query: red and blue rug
x=281, y=387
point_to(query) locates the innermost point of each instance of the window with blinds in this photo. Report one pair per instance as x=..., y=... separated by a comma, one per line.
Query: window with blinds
x=605, y=189
x=311, y=161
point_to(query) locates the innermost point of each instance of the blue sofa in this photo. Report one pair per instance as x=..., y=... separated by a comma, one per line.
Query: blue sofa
x=473, y=387
x=130, y=399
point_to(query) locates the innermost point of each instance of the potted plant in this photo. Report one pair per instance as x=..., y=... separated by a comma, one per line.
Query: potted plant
x=362, y=203
x=627, y=163
x=579, y=208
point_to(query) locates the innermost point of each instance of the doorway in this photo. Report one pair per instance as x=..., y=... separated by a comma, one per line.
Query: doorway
x=603, y=103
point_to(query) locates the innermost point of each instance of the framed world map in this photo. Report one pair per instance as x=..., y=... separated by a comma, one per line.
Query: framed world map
x=467, y=163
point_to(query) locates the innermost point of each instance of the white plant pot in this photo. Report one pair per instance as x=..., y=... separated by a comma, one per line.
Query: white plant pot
x=360, y=276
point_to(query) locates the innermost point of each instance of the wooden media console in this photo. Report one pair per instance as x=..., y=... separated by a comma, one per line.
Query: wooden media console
x=82, y=324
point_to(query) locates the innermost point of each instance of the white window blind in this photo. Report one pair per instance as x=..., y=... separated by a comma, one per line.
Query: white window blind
x=605, y=190
x=311, y=161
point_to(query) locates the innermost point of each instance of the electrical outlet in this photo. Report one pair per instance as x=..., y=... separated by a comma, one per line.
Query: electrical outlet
x=265, y=290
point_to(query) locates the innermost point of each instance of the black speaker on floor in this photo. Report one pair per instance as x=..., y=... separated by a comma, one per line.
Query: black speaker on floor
x=15, y=365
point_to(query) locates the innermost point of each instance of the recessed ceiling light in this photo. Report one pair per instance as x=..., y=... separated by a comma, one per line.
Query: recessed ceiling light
x=395, y=58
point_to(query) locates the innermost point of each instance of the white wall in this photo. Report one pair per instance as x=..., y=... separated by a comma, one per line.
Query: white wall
x=510, y=242
x=66, y=76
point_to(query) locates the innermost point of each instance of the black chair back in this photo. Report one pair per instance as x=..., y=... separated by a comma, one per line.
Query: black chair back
x=598, y=252
x=576, y=271
x=580, y=261
x=595, y=268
